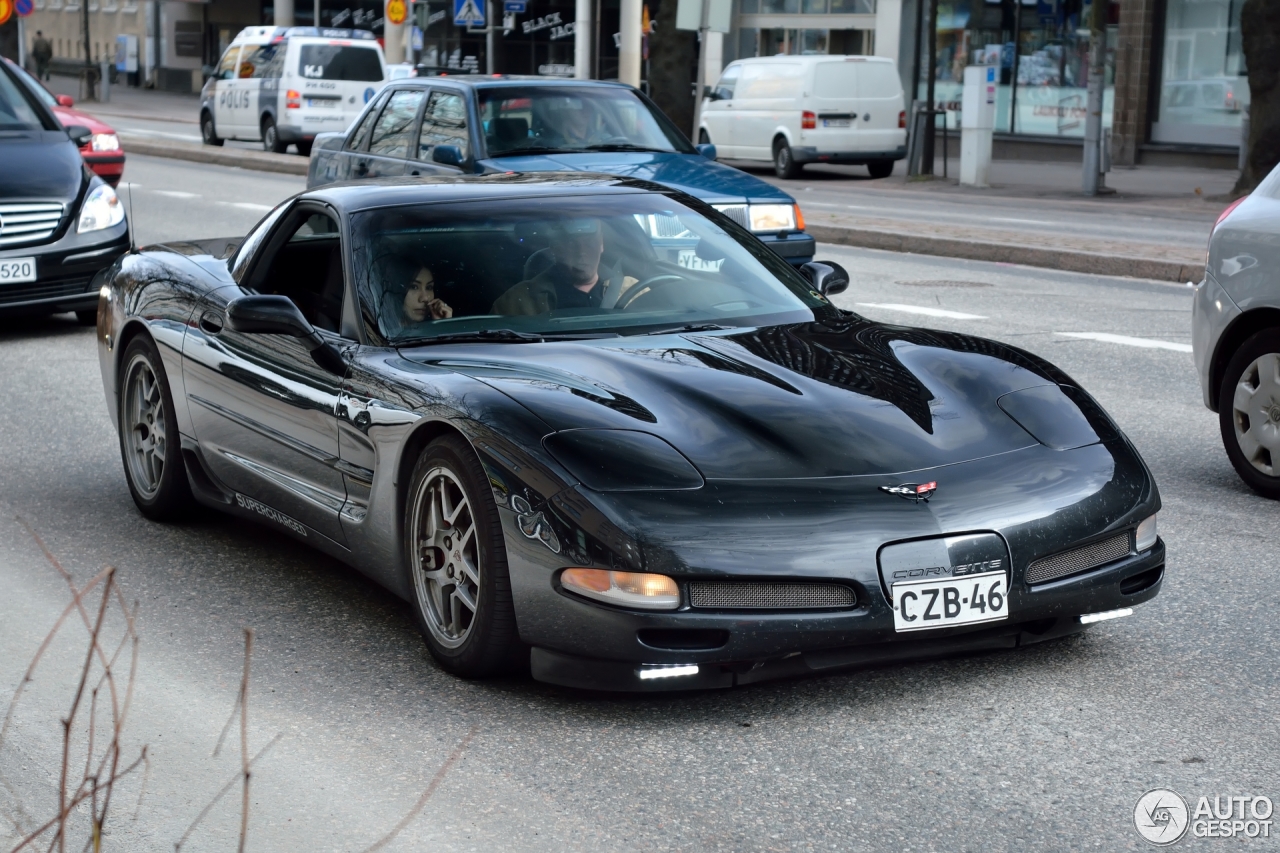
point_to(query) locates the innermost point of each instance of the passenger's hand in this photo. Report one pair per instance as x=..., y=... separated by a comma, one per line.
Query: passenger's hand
x=439, y=310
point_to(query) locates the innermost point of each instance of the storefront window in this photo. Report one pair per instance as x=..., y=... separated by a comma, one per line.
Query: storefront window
x=1204, y=91
x=1047, y=96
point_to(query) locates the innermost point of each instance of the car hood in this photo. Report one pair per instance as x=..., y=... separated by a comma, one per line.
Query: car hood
x=40, y=164
x=69, y=116
x=689, y=173
x=846, y=398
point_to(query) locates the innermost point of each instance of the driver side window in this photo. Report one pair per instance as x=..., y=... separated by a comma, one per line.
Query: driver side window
x=728, y=80
x=307, y=268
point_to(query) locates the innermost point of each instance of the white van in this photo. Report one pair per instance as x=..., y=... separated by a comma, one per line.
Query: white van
x=794, y=110
x=284, y=85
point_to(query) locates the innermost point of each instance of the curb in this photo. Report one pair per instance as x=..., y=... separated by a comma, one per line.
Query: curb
x=262, y=161
x=1069, y=260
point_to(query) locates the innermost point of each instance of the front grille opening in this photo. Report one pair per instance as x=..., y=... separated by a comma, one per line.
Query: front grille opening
x=1079, y=560
x=770, y=595
x=683, y=639
x=1141, y=581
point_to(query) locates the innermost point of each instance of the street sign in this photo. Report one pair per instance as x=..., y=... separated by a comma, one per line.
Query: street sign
x=397, y=11
x=24, y=7
x=466, y=13
x=517, y=7
x=6, y=11
x=719, y=15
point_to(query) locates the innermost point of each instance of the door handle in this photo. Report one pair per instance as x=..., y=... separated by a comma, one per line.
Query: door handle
x=211, y=322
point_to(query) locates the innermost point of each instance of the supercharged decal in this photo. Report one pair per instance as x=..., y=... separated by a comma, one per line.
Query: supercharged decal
x=272, y=514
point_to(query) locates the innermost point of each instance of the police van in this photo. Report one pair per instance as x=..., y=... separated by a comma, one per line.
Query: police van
x=284, y=85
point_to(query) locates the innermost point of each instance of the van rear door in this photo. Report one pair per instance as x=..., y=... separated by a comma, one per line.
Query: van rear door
x=838, y=105
x=880, y=97
x=337, y=78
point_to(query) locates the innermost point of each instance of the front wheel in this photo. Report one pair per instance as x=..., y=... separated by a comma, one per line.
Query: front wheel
x=1249, y=412
x=304, y=147
x=784, y=162
x=880, y=168
x=271, y=137
x=149, y=441
x=458, y=563
x=208, y=133
x=703, y=139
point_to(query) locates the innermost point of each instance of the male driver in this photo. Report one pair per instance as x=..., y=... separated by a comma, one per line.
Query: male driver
x=573, y=280
x=41, y=52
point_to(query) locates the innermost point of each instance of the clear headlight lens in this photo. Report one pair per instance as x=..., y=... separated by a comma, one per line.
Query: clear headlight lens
x=101, y=209
x=1146, y=535
x=105, y=142
x=772, y=217
x=628, y=589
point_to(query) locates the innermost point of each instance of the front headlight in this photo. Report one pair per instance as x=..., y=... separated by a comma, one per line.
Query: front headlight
x=101, y=209
x=105, y=142
x=771, y=217
x=1145, y=537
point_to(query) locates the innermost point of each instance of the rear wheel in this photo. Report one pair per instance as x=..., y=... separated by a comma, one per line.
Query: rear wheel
x=880, y=168
x=149, y=442
x=1249, y=412
x=458, y=563
x=784, y=162
x=208, y=133
x=271, y=136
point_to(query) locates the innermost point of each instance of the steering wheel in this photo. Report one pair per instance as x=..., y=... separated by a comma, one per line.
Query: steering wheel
x=646, y=288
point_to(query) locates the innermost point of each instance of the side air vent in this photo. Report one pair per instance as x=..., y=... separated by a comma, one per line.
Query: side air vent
x=28, y=222
x=1079, y=560
x=768, y=595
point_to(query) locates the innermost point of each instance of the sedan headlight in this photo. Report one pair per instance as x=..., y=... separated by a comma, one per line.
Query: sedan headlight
x=1145, y=537
x=101, y=209
x=771, y=217
x=105, y=142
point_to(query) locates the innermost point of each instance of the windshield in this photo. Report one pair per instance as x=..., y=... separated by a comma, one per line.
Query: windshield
x=542, y=119
x=339, y=62
x=566, y=265
x=17, y=112
x=35, y=86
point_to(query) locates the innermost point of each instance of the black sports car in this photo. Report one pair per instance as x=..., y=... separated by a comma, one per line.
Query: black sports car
x=594, y=418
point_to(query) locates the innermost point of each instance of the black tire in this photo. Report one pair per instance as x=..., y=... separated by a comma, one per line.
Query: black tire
x=146, y=413
x=880, y=168
x=304, y=147
x=784, y=162
x=1251, y=432
x=271, y=137
x=208, y=133
x=485, y=643
x=88, y=317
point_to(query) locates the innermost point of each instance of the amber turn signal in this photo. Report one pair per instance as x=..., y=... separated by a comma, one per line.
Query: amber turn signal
x=627, y=589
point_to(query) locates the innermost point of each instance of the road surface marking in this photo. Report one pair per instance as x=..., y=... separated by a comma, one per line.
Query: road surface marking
x=1107, y=338
x=176, y=194
x=920, y=309
x=248, y=205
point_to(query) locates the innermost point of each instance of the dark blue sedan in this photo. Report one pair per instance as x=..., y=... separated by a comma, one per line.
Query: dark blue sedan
x=483, y=125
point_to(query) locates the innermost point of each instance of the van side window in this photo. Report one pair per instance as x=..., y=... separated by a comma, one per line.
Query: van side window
x=728, y=80
x=227, y=67
x=443, y=123
x=356, y=141
x=394, y=128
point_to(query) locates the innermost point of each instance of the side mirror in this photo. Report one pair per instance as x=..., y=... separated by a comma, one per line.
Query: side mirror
x=208, y=71
x=64, y=100
x=828, y=277
x=449, y=155
x=707, y=150
x=277, y=315
x=79, y=134
x=710, y=93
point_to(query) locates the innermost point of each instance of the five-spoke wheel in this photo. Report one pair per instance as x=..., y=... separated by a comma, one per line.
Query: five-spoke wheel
x=149, y=441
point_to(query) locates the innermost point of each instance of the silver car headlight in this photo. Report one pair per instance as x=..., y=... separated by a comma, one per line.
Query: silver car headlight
x=101, y=209
x=771, y=217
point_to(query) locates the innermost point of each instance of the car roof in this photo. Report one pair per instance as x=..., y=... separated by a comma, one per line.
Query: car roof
x=390, y=192
x=810, y=59
x=488, y=80
x=269, y=34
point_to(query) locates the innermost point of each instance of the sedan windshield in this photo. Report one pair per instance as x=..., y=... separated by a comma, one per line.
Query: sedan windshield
x=524, y=269
x=545, y=119
x=17, y=112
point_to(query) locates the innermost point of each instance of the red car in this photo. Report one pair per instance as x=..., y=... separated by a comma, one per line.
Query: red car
x=102, y=152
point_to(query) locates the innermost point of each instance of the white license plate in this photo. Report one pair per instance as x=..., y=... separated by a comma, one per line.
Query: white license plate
x=836, y=122
x=325, y=103
x=920, y=605
x=13, y=270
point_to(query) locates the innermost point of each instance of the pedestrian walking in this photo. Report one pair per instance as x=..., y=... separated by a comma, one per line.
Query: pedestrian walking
x=42, y=52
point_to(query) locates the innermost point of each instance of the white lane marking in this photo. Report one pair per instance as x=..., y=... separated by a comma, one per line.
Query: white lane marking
x=920, y=309
x=1108, y=338
x=1024, y=221
x=156, y=133
x=176, y=194
x=247, y=205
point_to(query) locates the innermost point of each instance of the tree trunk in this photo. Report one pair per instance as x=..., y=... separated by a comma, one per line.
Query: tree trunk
x=1260, y=32
x=930, y=97
x=673, y=65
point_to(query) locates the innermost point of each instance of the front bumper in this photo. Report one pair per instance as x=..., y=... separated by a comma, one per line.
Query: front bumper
x=109, y=167
x=65, y=269
x=1212, y=311
x=796, y=246
x=810, y=154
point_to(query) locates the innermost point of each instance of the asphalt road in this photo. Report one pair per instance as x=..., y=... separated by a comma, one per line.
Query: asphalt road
x=1042, y=749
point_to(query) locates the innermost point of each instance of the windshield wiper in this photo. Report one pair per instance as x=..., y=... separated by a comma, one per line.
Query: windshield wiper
x=692, y=327
x=537, y=149
x=627, y=146
x=482, y=336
